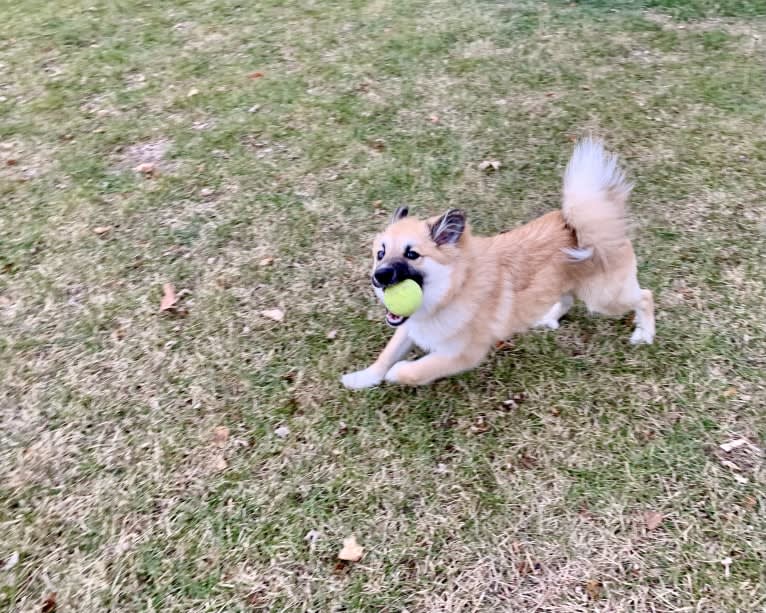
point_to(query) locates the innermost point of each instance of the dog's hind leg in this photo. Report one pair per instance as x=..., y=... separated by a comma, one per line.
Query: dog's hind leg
x=556, y=312
x=617, y=298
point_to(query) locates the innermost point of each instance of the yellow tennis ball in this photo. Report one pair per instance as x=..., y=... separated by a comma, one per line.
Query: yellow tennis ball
x=404, y=298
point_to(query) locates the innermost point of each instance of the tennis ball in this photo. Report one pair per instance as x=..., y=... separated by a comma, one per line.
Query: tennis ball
x=404, y=298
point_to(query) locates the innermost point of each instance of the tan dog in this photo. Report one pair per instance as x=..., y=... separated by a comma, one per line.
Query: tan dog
x=479, y=290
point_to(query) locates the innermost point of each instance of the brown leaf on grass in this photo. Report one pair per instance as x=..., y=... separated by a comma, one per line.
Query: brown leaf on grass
x=480, y=425
x=351, y=551
x=256, y=75
x=146, y=168
x=274, y=314
x=652, y=519
x=731, y=392
x=11, y=162
x=593, y=589
x=49, y=603
x=169, y=298
x=732, y=445
x=220, y=435
x=219, y=463
x=101, y=230
x=266, y=262
x=749, y=502
x=488, y=165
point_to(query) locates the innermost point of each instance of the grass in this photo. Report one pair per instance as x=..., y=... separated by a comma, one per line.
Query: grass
x=114, y=490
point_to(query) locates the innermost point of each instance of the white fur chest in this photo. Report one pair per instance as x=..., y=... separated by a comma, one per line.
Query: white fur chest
x=442, y=332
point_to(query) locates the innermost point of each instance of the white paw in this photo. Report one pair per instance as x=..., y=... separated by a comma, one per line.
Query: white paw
x=392, y=376
x=360, y=379
x=642, y=335
x=551, y=324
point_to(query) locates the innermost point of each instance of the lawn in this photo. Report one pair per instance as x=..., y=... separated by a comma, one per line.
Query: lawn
x=206, y=457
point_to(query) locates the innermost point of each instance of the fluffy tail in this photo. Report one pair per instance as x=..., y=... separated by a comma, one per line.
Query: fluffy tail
x=595, y=198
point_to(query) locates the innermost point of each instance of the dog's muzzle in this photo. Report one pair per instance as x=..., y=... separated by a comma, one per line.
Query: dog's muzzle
x=392, y=273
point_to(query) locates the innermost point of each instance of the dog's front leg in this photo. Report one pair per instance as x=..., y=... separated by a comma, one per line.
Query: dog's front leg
x=431, y=367
x=399, y=345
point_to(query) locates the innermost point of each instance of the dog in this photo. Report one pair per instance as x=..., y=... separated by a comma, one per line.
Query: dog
x=478, y=290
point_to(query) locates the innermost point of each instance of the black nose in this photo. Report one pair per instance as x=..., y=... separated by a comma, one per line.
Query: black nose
x=384, y=276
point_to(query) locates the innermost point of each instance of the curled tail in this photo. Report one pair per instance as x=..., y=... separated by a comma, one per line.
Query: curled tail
x=595, y=198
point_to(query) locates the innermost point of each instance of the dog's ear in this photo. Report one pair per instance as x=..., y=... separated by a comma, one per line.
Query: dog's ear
x=448, y=229
x=400, y=213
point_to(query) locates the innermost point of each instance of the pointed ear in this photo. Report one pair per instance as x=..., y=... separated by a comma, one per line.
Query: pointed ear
x=400, y=213
x=448, y=229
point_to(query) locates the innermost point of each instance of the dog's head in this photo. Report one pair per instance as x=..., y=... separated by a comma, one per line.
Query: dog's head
x=426, y=251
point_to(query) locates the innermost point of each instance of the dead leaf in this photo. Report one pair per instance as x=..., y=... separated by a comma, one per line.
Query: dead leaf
x=11, y=162
x=49, y=603
x=255, y=75
x=351, y=551
x=101, y=230
x=378, y=144
x=749, y=502
x=735, y=444
x=169, y=299
x=489, y=165
x=146, y=168
x=480, y=425
x=219, y=463
x=12, y=560
x=282, y=432
x=192, y=92
x=732, y=391
x=275, y=314
x=312, y=536
x=652, y=519
x=266, y=262
x=331, y=335
x=220, y=435
x=593, y=589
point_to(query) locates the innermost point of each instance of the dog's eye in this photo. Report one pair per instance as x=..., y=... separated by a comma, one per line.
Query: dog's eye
x=381, y=253
x=411, y=255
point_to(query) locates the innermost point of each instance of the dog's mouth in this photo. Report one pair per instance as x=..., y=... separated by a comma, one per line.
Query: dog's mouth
x=394, y=320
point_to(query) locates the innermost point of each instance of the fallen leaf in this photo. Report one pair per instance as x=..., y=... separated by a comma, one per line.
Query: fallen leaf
x=11, y=162
x=727, y=562
x=12, y=560
x=146, y=168
x=332, y=334
x=732, y=391
x=220, y=435
x=100, y=230
x=219, y=463
x=266, y=261
x=169, y=299
x=282, y=432
x=652, y=519
x=312, y=536
x=480, y=425
x=351, y=551
x=749, y=503
x=735, y=444
x=255, y=75
x=275, y=314
x=49, y=603
x=489, y=165
x=192, y=92
x=593, y=589
x=378, y=144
